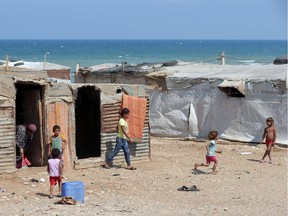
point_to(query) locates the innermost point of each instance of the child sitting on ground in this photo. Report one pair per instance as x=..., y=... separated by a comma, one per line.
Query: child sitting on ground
x=211, y=150
x=55, y=170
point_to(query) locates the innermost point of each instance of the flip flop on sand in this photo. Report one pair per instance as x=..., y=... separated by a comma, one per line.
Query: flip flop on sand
x=192, y=188
x=131, y=168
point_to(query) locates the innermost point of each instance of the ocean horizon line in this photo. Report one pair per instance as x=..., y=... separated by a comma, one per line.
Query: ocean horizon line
x=138, y=39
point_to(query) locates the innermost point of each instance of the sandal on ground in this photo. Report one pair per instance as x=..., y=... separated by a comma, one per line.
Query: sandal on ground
x=192, y=188
x=131, y=168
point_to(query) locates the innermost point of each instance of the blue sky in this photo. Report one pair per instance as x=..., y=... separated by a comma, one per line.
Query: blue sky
x=143, y=19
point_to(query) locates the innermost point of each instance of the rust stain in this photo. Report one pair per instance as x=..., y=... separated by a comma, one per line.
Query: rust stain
x=57, y=114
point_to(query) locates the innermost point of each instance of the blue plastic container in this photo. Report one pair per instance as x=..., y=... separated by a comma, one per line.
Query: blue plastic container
x=73, y=189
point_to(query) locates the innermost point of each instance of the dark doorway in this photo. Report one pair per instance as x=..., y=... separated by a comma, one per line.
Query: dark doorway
x=29, y=109
x=88, y=123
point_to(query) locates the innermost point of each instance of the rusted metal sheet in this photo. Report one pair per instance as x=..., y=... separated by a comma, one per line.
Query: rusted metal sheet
x=110, y=117
x=7, y=140
x=59, y=74
x=60, y=113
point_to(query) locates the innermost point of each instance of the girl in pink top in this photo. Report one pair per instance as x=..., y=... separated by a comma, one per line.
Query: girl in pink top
x=55, y=170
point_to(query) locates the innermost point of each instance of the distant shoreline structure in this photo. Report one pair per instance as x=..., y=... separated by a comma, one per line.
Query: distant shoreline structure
x=90, y=52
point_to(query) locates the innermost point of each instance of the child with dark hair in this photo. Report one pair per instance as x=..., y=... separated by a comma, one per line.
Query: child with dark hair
x=121, y=140
x=269, y=136
x=57, y=140
x=55, y=170
x=211, y=150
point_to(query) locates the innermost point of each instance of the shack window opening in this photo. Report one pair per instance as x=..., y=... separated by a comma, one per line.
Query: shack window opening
x=88, y=123
x=233, y=88
x=231, y=91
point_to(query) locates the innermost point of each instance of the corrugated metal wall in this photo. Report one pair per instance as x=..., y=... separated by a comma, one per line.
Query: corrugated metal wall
x=110, y=117
x=7, y=139
x=60, y=113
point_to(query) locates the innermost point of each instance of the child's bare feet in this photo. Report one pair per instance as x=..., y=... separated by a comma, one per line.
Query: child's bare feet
x=214, y=172
x=261, y=161
x=195, y=166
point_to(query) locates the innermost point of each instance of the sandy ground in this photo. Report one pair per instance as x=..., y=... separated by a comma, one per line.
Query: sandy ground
x=243, y=186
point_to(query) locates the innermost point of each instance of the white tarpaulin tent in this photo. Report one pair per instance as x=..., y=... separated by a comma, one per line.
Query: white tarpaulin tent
x=235, y=100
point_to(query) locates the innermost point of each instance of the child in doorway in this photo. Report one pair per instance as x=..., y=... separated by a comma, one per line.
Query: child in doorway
x=211, y=150
x=57, y=140
x=55, y=170
x=121, y=140
x=269, y=136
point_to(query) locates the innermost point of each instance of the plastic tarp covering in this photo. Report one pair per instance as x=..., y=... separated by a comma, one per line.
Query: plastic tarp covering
x=197, y=110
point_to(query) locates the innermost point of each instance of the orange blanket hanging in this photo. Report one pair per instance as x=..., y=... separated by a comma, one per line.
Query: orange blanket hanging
x=137, y=107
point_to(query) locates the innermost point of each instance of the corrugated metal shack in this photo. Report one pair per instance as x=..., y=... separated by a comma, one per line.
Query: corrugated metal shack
x=7, y=125
x=124, y=73
x=107, y=99
x=87, y=114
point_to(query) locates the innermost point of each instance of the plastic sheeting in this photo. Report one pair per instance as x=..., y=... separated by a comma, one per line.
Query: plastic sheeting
x=201, y=108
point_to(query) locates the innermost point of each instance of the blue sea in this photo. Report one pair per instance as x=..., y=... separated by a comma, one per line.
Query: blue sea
x=92, y=52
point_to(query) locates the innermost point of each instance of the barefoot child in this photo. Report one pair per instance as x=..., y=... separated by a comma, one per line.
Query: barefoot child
x=55, y=169
x=211, y=149
x=269, y=136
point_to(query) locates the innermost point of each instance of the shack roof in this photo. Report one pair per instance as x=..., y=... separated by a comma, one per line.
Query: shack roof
x=230, y=72
x=34, y=65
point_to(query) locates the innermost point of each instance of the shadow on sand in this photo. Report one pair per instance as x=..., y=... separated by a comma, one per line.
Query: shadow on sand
x=42, y=194
x=197, y=172
x=254, y=160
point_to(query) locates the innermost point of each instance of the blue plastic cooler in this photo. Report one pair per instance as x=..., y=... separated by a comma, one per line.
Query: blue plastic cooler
x=73, y=189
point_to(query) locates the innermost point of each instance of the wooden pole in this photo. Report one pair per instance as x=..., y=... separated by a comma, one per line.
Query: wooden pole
x=7, y=62
x=222, y=58
x=44, y=63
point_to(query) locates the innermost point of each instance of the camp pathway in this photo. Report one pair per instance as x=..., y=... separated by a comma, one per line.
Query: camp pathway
x=243, y=186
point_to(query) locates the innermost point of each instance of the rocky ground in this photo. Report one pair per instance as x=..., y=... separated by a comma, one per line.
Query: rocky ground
x=243, y=186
